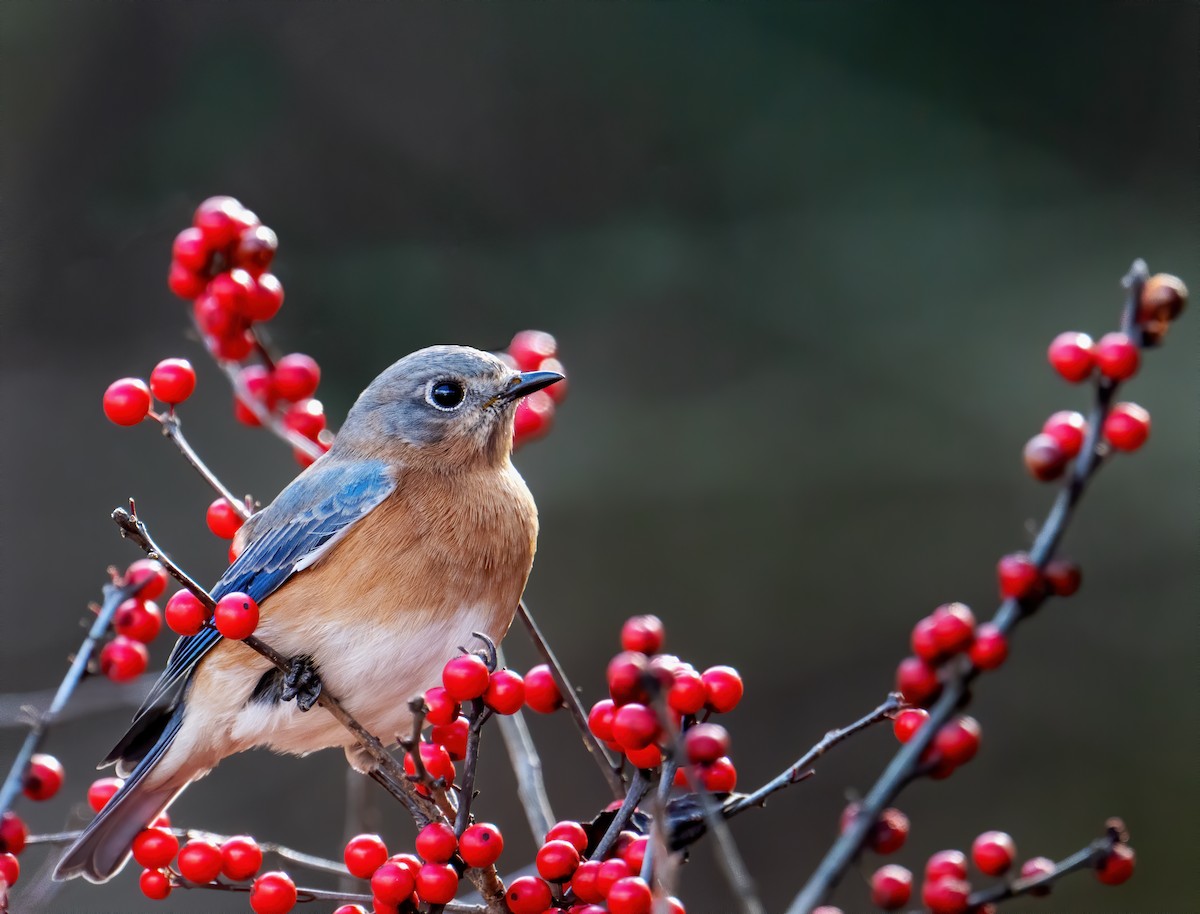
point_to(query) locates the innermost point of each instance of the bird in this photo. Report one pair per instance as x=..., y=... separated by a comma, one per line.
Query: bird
x=412, y=532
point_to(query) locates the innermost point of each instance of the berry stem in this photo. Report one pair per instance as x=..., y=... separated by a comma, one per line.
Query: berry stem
x=480, y=713
x=608, y=767
x=114, y=595
x=1088, y=857
x=905, y=764
x=173, y=432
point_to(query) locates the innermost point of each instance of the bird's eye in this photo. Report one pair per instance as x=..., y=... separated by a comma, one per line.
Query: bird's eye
x=446, y=394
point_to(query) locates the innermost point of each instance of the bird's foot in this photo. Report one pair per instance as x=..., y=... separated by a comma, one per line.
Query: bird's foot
x=301, y=682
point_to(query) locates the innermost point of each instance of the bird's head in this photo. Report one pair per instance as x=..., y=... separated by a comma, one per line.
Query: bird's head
x=445, y=406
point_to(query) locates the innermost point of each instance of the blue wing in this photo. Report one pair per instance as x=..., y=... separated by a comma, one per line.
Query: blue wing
x=311, y=511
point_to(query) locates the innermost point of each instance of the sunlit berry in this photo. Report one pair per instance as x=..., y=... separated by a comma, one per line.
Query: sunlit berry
x=643, y=633
x=43, y=778
x=127, y=401
x=236, y=615
x=1071, y=355
x=719, y=776
x=453, y=737
x=957, y=742
x=222, y=519
x=946, y=896
x=216, y=319
x=231, y=347
x=13, y=833
x=173, y=380
x=528, y=895
x=364, y=854
x=138, y=619
x=1063, y=577
x=505, y=692
x=392, y=882
x=610, y=872
x=600, y=719
x=241, y=858
x=990, y=647
x=908, y=722
x=705, y=743
x=584, y=882
x=154, y=884
x=350, y=909
x=923, y=641
x=634, y=854
x=220, y=219
x=191, y=250
x=1018, y=576
x=1116, y=356
x=723, y=688
x=1163, y=298
x=1068, y=428
x=296, y=376
x=154, y=848
x=436, y=842
x=255, y=249
x=440, y=707
x=232, y=290
x=465, y=677
x=184, y=613
x=437, y=763
x=1044, y=457
x=891, y=887
x=558, y=390
x=1034, y=867
x=123, y=659
x=994, y=852
x=264, y=299
x=185, y=283
x=949, y=863
x=541, y=690
x=530, y=348
x=481, y=844
x=916, y=680
x=437, y=883
x=630, y=895
x=273, y=893
x=625, y=677
x=889, y=832
x=10, y=869
x=571, y=832
x=533, y=417
x=687, y=694
x=149, y=576
x=645, y=758
x=306, y=417
x=1127, y=426
x=101, y=791
x=1117, y=866
x=635, y=726
x=557, y=860
x=199, y=861
x=953, y=627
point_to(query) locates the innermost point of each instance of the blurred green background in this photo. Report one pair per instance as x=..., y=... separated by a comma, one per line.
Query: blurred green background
x=803, y=262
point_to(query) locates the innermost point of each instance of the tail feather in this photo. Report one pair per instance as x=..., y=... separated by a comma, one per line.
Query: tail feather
x=104, y=847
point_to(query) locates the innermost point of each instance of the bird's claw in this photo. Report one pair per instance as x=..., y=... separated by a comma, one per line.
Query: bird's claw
x=302, y=683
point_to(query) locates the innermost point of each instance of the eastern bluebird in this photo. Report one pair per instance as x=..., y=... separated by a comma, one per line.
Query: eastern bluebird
x=412, y=532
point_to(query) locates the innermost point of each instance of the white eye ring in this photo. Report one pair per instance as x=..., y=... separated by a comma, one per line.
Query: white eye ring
x=449, y=391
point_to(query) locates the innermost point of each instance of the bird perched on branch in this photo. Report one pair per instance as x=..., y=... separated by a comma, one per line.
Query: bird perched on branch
x=371, y=567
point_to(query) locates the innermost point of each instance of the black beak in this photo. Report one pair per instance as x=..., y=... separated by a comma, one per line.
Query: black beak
x=527, y=382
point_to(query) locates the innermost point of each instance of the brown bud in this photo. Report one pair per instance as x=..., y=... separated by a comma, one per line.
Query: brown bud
x=1163, y=298
x=1044, y=457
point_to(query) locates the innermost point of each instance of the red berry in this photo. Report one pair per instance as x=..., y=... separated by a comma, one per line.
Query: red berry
x=364, y=854
x=1126, y=427
x=528, y=895
x=706, y=743
x=645, y=758
x=350, y=909
x=600, y=720
x=571, y=832
x=533, y=417
x=264, y=299
x=990, y=647
x=923, y=641
x=173, y=380
x=273, y=893
x=440, y=707
x=1116, y=356
x=148, y=576
x=1063, y=577
x=155, y=884
x=436, y=760
x=453, y=736
x=953, y=627
x=946, y=864
x=635, y=726
x=889, y=833
x=190, y=250
x=643, y=633
x=436, y=842
x=1069, y=429
x=481, y=844
x=994, y=852
x=541, y=691
x=306, y=417
x=1117, y=866
x=1037, y=866
x=719, y=776
x=1018, y=575
x=236, y=615
x=221, y=219
x=505, y=692
x=630, y=895
x=123, y=659
x=609, y=873
x=200, y=861
x=393, y=882
x=127, y=401
x=723, y=686
x=908, y=722
x=530, y=348
x=154, y=848
x=625, y=677
x=231, y=348
x=465, y=677
x=958, y=741
x=44, y=777
x=437, y=883
x=10, y=869
x=256, y=381
x=138, y=619
x=558, y=390
x=101, y=791
x=215, y=319
x=255, y=249
x=891, y=887
x=185, y=614
x=1071, y=355
x=1163, y=298
x=222, y=519
x=557, y=860
x=185, y=283
x=916, y=680
x=232, y=290
x=687, y=694
x=1044, y=457
x=584, y=882
x=296, y=377
x=635, y=854
x=946, y=895
x=241, y=858
x=12, y=833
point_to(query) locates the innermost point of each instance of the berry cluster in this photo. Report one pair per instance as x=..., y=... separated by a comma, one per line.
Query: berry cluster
x=127, y=401
x=136, y=623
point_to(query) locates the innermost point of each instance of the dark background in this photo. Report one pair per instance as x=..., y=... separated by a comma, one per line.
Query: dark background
x=803, y=263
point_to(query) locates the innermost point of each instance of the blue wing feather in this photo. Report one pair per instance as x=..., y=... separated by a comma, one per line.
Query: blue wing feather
x=316, y=506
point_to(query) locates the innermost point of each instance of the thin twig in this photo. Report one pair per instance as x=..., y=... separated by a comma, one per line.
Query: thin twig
x=960, y=672
x=637, y=791
x=480, y=713
x=1090, y=857
x=267, y=418
x=173, y=432
x=608, y=766
x=93, y=695
x=114, y=596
